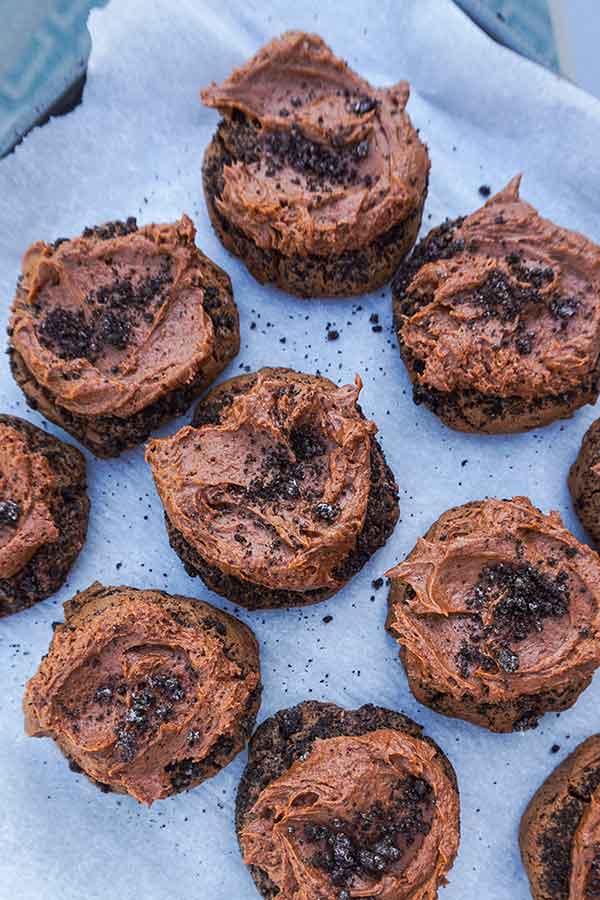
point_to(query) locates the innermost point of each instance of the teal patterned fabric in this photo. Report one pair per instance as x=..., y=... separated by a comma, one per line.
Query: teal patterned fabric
x=45, y=44
x=44, y=47
x=523, y=25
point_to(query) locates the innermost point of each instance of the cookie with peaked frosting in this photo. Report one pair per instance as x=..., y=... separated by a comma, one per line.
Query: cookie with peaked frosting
x=315, y=178
x=116, y=331
x=337, y=803
x=278, y=493
x=498, y=318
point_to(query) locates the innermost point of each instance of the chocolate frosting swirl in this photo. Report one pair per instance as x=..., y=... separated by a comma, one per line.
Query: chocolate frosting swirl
x=112, y=321
x=27, y=486
x=496, y=602
x=336, y=162
x=350, y=789
x=277, y=492
x=138, y=687
x=503, y=302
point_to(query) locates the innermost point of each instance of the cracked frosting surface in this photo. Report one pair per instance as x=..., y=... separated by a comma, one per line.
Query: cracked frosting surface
x=111, y=321
x=26, y=489
x=277, y=493
x=498, y=601
x=137, y=688
x=336, y=162
x=504, y=302
x=384, y=803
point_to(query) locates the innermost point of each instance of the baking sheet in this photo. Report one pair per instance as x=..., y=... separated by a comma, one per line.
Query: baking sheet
x=134, y=148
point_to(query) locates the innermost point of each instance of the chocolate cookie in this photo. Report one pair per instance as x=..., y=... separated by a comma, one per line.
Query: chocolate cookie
x=498, y=318
x=314, y=178
x=584, y=482
x=278, y=493
x=560, y=830
x=116, y=331
x=149, y=694
x=497, y=613
x=339, y=803
x=43, y=513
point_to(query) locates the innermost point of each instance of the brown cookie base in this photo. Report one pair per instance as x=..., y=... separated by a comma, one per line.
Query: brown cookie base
x=48, y=568
x=551, y=819
x=382, y=515
x=290, y=733
x=584, y=482
x=240, y=646
x=108, y=436
x=345, y=274
x=470, y=410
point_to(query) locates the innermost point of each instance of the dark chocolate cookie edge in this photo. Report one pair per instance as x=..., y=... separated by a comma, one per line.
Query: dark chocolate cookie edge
x=48, y=568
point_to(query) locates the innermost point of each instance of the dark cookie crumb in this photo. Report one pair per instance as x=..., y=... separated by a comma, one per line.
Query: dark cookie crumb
x=485, y=190
x=9, y=512
x=110, y=229
x=373, y=841
x=327, y=512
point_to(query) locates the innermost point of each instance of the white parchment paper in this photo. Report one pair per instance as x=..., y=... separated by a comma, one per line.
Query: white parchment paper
x=134, y=148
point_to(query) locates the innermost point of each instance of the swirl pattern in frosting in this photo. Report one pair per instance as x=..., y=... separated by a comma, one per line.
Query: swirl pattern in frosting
x=149, y=694
x=497, y=611
x=276, y=491
x=109, y=323
x=368, y=813
x=333, y=164
x=502, y=302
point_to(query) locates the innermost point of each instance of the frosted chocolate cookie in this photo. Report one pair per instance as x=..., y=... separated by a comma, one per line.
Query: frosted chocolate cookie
x=278, y=493
x=496, y=611
x=315, y=178
x=43, y=513
x=116, y=331
x=336, y=804
x=560, y=830
x=498, y=318
x=149, y=694
x=584, y=482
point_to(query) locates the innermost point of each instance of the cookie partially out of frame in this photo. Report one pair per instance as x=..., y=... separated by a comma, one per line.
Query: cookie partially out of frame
x=560, y=829
x=278, y=493
x=44, y=510
x=498, y=318
x=149, y=694
x=338, y=803
x=315, y=178
x=497, y=614
x=584, y=482
x=117, y=331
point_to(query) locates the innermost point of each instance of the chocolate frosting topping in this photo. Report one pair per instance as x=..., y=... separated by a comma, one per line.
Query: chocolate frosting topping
x=26, y=488
x=138, y=684
x=371, y=816
x=503, y=302
x=277, y=493
x=498, y=601
x=113, y=320
x=336, y=162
